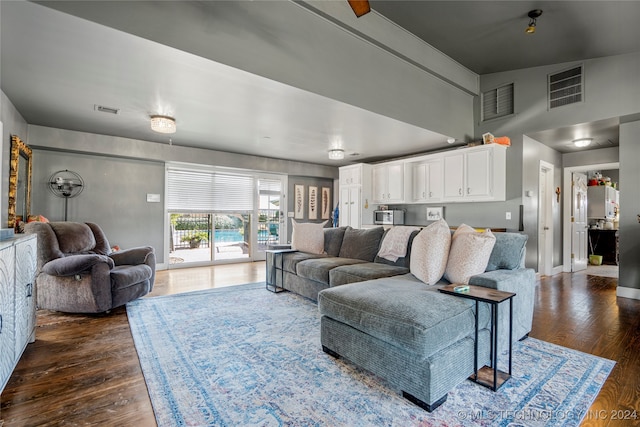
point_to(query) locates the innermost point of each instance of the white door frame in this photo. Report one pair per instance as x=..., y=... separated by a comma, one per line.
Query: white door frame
x=545, y=219
x=566, y=207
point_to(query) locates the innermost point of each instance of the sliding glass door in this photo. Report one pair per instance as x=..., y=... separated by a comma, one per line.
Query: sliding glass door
x=218, y=216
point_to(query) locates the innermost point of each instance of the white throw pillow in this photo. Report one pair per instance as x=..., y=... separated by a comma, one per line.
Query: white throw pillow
x=308, y=237
x=469, y=254
x=429, y=252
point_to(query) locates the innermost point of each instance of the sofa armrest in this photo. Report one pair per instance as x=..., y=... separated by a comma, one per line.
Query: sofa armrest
x=132, y=256
x=522, y=282
x=135, y=256
x=75, y=264
x=505, y=280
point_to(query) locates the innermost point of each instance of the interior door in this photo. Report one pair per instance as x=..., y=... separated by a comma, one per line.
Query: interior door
x=545, y=219
x=579, y=231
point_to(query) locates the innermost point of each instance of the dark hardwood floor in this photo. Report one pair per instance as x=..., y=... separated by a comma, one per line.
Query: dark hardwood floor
x=84, y=370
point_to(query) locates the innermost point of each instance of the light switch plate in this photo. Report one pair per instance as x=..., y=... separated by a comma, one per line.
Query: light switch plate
x=153, y=198
x=508, y=215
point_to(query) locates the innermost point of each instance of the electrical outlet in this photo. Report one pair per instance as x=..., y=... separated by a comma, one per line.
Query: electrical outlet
x=508, y=215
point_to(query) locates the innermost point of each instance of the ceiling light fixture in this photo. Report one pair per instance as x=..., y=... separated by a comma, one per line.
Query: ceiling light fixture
x=451, y=140
x=336, y=154
x=163, y=124
x=582, y=142
x=533, y=16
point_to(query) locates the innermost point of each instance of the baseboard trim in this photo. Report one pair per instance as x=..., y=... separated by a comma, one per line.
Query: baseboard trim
x=557, y=270
x=624, y=292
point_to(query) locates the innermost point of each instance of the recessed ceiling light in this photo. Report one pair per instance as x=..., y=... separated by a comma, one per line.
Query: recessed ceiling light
x=582, y=142
x=451, y=140
x=163, y=124
x=336, y=154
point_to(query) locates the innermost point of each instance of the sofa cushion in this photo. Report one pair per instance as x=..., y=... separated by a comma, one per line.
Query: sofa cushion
x=124, y=276
x=333, y=240
x=75, y=264
x=469, y=254
x=361, y=272
x=308, y=237
x=408, y=315
x=318, y=269
x=508, y=252
x=290, y=260
x=430, y=252
x=401, y=261
x=73, y=237
x=361, y=243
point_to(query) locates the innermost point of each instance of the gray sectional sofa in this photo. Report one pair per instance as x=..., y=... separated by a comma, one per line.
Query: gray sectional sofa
x=381, y=317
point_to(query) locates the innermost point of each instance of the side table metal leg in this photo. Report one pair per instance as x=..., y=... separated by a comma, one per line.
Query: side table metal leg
x=475, y=345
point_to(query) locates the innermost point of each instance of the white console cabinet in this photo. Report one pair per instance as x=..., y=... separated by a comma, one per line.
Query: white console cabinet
x=17, y=301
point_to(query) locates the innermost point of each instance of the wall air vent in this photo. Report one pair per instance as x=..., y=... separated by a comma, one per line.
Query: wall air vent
x=497, y=102
x=104, y=109
x=566, y=87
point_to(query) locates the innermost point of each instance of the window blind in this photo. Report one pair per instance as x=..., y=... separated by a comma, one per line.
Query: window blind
x=198, y=191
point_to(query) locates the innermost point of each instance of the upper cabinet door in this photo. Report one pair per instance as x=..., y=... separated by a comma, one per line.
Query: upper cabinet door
x=434, y=181
x=454, y=183
x=395, y=182
x=388, y=183
x=419, y=175
x=479, y=173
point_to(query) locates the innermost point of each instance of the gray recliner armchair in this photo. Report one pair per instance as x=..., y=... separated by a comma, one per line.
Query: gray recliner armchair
x=78, y=273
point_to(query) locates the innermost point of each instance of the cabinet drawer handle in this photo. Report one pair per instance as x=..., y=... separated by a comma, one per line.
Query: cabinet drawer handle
x=29, y=290
x=430, y=194
x=389, y=196
x=0, y=323
x=468, y=190
x=460, y=191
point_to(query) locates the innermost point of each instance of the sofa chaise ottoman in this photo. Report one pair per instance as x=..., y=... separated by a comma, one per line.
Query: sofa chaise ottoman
x=418, y=339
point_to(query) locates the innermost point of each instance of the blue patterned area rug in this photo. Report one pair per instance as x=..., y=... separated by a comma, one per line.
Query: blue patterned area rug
x=243, y=356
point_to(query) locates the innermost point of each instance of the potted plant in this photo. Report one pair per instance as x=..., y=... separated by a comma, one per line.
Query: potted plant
x=195, y=238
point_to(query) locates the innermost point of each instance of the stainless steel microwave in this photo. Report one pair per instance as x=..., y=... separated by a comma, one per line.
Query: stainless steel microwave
x=388, y=217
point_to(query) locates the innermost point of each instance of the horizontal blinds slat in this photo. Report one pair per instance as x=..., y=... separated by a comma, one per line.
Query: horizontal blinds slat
x=198, y=191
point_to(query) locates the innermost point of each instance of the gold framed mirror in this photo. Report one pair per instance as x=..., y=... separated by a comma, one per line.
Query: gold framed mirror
x=19, y=181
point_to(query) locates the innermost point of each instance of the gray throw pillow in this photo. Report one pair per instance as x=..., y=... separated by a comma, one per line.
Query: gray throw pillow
x=508, y=251
x=333, y=240
x=361, y=243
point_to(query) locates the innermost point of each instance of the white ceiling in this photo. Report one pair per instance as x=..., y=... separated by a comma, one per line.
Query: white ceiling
x=56, y=67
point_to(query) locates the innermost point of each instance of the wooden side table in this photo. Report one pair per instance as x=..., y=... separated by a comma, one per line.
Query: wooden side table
x=274, y=265
x=493, y=297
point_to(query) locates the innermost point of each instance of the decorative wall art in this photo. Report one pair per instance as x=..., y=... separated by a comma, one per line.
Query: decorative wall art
x=435, y=213
x=313, y=202
x=299, y=202
x=326, y=203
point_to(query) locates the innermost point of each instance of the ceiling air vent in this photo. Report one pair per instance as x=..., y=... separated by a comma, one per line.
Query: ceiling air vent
x=497, y=102
x=104, y=109
x=566, y=87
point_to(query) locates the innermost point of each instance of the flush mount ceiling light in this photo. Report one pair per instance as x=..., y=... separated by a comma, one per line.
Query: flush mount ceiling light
x=336, y=154
x=582, y=142
x=533, y=15
x=163, y=124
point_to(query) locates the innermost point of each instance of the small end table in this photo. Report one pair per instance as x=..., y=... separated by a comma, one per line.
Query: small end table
x=273, y=265
x=493, y=297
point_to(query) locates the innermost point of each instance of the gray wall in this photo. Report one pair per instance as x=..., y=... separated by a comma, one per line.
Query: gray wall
x=630, y=206
x=307, y=181
x=119, y=172
x=13, y=124
x=534, y=152
x=114, y=196
x=611, y=90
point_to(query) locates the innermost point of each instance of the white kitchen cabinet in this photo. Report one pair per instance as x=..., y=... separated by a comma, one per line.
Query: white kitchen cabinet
x=427, y=181
x=355, y=196
x=388, y=183
x=475, y=174
x=17, y=301
x=601, y=201
x=351, y=175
